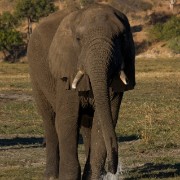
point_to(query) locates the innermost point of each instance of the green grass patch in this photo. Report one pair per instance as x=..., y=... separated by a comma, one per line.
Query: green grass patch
x=151, y=111
x=20, y=118
x=14, y=78
x=22, y=173
x=148, y=126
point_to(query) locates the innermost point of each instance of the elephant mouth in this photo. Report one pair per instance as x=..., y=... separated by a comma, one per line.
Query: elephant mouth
x=80, y=74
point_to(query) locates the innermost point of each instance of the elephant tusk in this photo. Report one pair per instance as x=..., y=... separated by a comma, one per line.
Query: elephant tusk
x=77, y=78
x=123, y=77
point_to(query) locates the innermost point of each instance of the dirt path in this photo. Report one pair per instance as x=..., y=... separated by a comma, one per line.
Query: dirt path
x=16, y=97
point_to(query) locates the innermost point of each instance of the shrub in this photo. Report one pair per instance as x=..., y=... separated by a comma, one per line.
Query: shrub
x=10, y=40
x=171, y=28
x=174, y=45
x=155, y=33
x=33, y=10
x=168, y=31
x=8, y=20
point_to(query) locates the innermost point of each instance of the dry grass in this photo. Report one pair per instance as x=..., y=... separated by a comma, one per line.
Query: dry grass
x=148, y=128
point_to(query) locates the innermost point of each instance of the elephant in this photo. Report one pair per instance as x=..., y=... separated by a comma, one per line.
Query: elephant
x=81, y=63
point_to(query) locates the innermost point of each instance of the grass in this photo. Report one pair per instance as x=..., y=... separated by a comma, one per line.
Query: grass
x=148, y=126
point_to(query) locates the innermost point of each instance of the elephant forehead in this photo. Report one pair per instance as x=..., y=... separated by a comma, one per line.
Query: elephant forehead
x=66, y=23
x=94, y=15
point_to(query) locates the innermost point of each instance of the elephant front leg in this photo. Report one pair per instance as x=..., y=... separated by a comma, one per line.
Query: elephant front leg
x=97, y=155
x=52, y=150
x=67, y=130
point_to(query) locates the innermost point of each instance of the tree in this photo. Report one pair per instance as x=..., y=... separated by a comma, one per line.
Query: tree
x=8, y=20
x=172, y=3
x=10, y=38
x=33, y=10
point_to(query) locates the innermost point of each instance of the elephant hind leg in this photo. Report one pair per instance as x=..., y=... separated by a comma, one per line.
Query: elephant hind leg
x=86, y=134
x=52, y=150
x=85, y=130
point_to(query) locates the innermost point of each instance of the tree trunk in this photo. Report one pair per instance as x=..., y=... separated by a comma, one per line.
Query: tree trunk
x=29, y=29
x=4, y=53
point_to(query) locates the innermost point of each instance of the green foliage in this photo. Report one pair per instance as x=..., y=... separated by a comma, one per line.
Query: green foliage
x=10, y=38
x=34, y=9
x=151, y=112
x=155, y=33
x=174, y=45
x=168, y=31
x=171, y=28
x=8, y=20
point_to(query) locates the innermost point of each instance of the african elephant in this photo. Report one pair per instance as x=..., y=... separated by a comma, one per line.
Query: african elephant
x=81, y=61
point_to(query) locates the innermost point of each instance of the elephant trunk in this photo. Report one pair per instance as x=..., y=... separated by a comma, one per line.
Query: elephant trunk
x=98, y=73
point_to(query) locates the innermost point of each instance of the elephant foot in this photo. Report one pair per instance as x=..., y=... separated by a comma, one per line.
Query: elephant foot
x=50, y=176
x=110, y=176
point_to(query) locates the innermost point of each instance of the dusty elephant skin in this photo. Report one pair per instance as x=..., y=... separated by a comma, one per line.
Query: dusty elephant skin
x=81, y=62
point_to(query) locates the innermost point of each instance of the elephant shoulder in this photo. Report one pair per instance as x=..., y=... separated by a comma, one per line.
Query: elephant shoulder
x=49, y=25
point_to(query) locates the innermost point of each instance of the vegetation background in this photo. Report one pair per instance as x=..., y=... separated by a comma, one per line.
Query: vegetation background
x=149, y=123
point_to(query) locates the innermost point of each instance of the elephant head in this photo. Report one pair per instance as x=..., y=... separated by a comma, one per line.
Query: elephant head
x=93, y=50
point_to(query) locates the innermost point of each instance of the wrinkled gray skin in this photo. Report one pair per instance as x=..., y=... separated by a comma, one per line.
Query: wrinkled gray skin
x=96, y=40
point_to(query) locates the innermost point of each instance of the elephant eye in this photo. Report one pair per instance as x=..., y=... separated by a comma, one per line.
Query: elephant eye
x=78, y=38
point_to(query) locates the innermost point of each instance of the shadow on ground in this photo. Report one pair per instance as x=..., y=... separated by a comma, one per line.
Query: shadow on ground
x=127, y=138
x=151, y=170
x=33, y=142
x=137, y=28
x=21, y=142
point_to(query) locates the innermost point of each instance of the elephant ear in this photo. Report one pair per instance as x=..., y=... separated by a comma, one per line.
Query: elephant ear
x=62, y=55
x=127, y=54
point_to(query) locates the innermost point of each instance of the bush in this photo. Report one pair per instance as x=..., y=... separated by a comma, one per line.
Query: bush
x=8, y=20
x=174, y=45
x=168, y=31
x=33, y=10
x=155, y=33
x=171, y=28
x=10, y=40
